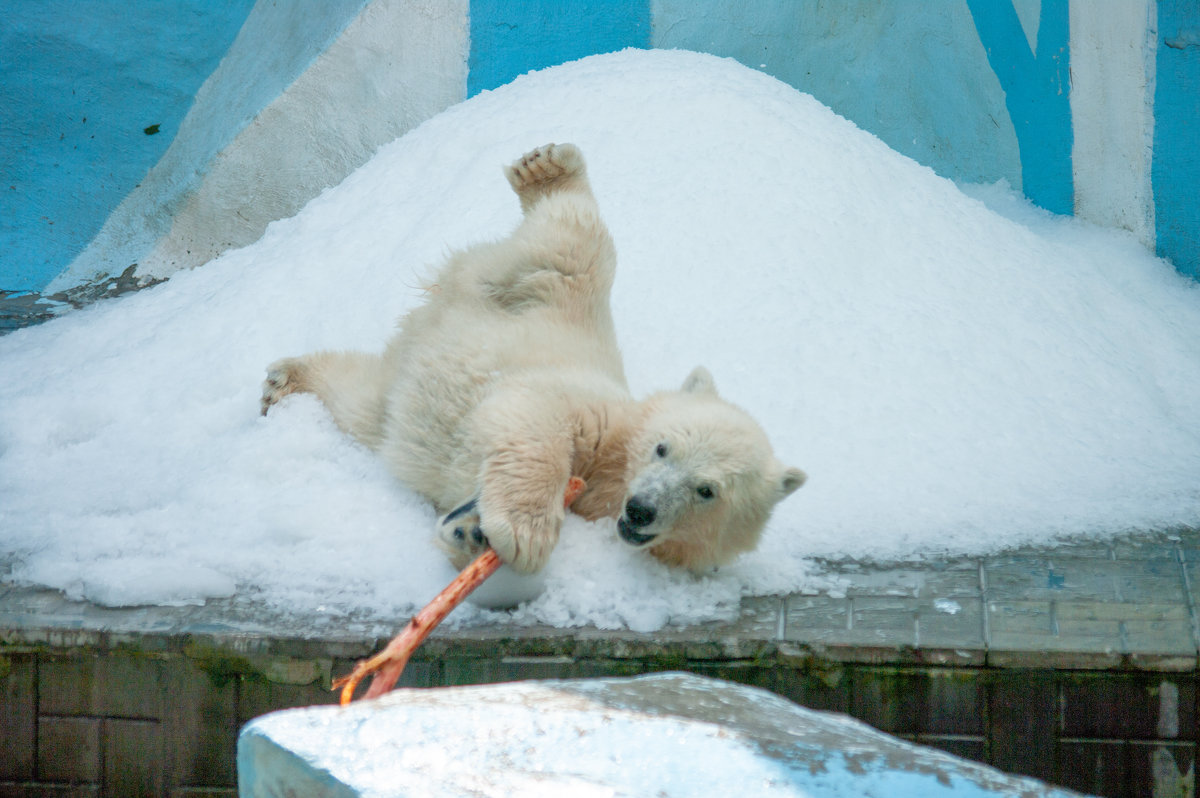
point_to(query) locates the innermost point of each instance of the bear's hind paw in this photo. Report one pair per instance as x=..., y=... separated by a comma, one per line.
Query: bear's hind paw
x=538, y=169
x=460, y=533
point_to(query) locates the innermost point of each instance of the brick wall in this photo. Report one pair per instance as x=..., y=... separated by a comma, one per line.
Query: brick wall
x=129, y=724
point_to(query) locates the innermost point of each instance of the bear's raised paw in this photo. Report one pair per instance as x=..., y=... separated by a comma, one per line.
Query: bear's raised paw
x=541, y=169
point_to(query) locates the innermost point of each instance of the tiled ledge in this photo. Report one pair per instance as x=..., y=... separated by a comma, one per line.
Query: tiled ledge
x=1128, y=605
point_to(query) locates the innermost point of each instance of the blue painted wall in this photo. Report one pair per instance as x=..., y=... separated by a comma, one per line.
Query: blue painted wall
x=511, y=37
x=1176, y=168
x=80, y=83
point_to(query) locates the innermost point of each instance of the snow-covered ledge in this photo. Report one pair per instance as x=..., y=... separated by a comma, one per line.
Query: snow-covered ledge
x=670, y=734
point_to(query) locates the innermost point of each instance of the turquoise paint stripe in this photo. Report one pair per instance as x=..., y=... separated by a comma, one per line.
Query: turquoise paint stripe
x=1176, y=163
x=512, y=37
x=1037, y=94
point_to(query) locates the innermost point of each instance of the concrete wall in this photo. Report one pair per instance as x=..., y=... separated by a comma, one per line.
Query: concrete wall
x=165, y=133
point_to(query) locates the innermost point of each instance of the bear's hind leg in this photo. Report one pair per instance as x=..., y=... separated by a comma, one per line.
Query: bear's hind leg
x=545, y=170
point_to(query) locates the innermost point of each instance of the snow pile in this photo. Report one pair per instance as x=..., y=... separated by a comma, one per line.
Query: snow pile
x=954, y=379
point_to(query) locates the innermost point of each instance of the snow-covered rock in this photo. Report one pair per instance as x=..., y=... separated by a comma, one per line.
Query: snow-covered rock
x=666, y=735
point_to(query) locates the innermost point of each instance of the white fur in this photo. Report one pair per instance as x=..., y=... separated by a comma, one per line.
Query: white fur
x=507, y=381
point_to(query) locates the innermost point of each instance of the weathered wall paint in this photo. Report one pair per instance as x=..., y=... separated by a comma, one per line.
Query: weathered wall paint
x=1176, y=171
x=510, y=38
x=79, y=85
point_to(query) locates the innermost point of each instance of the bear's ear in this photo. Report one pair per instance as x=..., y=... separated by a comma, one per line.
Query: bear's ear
x=792, y=479
x=699, y=381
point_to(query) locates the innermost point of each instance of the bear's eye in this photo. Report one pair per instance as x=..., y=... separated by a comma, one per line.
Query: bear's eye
x=661, y=450
x=705, y=492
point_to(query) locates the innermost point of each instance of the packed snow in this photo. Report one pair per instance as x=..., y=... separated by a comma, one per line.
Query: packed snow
x=957, y=371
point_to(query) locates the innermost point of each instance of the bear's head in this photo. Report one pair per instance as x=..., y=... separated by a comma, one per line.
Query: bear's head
x=701, y=478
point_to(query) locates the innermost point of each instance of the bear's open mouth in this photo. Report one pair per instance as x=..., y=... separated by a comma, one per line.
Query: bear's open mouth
x=631, y=535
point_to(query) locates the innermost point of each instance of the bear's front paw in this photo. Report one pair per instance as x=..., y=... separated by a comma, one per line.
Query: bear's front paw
x=278, y=384
x=523, y=540
x=460, y=534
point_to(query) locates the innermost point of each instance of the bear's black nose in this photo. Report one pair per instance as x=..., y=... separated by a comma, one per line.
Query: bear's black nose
x=639, y=513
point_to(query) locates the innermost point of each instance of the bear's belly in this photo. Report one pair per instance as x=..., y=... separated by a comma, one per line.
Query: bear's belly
x=443, y=369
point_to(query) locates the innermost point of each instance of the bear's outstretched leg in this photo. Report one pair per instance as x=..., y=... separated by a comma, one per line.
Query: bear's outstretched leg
x=549, y=168
x=284, y=377
x=350, y=384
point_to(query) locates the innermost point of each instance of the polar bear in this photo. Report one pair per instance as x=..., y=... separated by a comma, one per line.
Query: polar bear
x=508, y=381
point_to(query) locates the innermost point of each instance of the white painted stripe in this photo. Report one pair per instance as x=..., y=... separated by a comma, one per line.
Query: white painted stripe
x=1113, y=45
x=396, y=64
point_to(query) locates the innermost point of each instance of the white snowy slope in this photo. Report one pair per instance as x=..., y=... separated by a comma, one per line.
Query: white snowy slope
x=954, y=380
